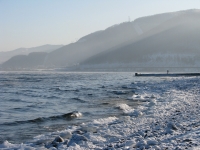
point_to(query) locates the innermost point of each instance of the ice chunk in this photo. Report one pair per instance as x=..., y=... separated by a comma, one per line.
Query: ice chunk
x=104, y=120
x=152, y=142
x=141, y=144
x=130, y=143
x=66, y=135
x=76, y=138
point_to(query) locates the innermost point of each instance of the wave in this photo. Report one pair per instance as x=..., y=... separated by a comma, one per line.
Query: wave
x=125, y=108
x=63, y=89
x=52, y=97
x=105, y=103
x=145, y=98
x=120, y=92
x=5, y=80
x=78, y=99
x=67, y=116
x=29, y=79
x=128, y=110
x=15, y=100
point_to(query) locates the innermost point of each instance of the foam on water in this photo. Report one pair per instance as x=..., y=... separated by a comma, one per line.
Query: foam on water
x=128, y=110
x=124, y=107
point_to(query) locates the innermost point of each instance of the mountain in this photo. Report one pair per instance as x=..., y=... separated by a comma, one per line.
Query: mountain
x=162, y=40
x=33, y=60
x=4, y=56
x=100, y=41
x=91, y=44
x=174, y=42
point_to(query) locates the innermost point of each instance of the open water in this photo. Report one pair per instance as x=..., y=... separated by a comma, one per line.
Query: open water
x=34, y=103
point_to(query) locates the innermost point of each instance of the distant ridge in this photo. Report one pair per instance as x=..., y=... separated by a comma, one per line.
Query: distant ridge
x=33, y=60
x=161, y=40
x=6, y=55
x=172, y=43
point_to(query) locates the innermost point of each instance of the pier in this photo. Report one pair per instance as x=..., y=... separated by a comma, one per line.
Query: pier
x=166, y=74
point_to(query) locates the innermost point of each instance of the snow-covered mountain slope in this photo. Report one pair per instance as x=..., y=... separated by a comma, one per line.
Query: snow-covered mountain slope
x=109, y=39
x=172, y=43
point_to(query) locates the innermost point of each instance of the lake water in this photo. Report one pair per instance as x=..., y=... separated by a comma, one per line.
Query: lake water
x=36, y=103
x=36, y=107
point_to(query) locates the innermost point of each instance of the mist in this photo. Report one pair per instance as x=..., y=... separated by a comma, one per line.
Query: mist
x=168, y=40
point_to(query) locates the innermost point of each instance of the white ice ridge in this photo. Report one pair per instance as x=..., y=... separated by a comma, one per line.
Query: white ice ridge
x=173, y=123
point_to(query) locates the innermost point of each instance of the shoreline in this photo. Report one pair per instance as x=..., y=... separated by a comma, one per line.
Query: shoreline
x=172, y=122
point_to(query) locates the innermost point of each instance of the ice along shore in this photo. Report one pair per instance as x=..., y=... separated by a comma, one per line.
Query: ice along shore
x=168, y=119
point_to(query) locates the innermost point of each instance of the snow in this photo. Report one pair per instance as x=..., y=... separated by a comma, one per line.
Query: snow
x=169, y=119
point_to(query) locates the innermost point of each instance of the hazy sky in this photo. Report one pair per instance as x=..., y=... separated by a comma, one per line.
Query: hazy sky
x=30, y=23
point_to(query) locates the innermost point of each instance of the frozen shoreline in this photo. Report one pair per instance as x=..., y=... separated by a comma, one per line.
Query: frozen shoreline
x=172, y=122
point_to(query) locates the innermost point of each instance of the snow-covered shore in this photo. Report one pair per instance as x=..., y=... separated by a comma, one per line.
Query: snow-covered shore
x=166, y=120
